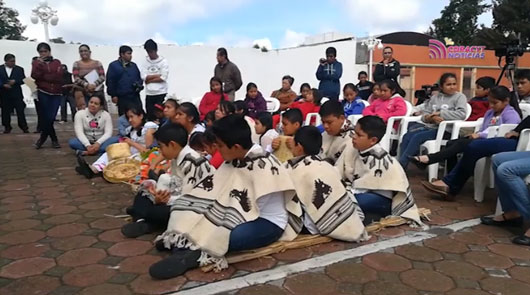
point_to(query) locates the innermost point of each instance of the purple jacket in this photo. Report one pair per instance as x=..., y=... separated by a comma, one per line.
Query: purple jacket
x=256, y=105
x=508, y=116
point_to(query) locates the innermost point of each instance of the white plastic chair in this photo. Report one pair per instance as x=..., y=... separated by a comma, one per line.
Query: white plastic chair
x=433, y=146
x=196, y=101
x=323, y=100
x=525, y=109
x=273, y=104
x=483, y=174
x=313, y=116
x=391, y=134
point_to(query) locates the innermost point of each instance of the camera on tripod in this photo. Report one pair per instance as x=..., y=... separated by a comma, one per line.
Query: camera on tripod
x=512, y=49
x=425, y=92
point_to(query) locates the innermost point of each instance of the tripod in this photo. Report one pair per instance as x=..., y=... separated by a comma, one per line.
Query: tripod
x=509, y=69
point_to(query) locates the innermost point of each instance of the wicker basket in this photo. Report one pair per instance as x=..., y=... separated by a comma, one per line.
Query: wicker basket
x=118, y=151
x=121, y=170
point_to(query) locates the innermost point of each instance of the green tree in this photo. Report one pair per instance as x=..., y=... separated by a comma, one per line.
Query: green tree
x=10, y=26
x=511, y=19
x=458, y=21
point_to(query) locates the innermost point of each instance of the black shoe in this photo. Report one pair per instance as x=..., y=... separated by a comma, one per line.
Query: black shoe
x=159, y=245
x=130, y=210
x=516, y=222
x=7, y=130
x=56, y=145
x=36, y=131
x=521, y=240
x=25, y=130
x=136, y=229
x=38, y=144
x=175, y=265
x=418, y=163
x=84, y=168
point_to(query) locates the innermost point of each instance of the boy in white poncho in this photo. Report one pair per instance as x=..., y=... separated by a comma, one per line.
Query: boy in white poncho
x=151, y=207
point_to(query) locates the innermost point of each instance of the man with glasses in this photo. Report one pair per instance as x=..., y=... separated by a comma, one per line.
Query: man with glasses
x=388, y=68
x=328, y=73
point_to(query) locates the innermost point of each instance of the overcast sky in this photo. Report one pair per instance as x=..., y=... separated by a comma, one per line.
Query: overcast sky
x=280, y=23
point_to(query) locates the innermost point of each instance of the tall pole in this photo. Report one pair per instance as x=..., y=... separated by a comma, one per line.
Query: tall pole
x=46, y=15
x=46, y=32
x=370, y=65
x=371, y=43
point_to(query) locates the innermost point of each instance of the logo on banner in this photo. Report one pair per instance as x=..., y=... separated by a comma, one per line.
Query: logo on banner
x=438, y=50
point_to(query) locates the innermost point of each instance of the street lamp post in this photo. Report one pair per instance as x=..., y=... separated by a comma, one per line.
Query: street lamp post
x=371, y=43
x=46, y=15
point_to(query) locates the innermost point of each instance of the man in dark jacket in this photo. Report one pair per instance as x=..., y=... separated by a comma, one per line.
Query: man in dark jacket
x=328, y=73
x=228, y=72
x=124, y=82
x=388, y=68
x=12, y=77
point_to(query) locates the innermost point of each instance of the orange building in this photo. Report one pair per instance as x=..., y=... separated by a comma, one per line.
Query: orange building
x=418, y=68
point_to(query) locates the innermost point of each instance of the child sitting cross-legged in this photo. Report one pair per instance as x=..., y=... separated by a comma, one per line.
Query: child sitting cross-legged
x=337, y=130
x=152, y=204
x=291, y=121
x=326, y=207
x=242, y=207
x=376, y=179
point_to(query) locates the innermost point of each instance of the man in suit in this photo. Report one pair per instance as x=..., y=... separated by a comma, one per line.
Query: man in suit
x=12, y=77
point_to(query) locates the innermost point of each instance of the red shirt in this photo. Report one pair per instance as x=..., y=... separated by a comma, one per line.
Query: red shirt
x=209, y=102
x=478, y=109
x=305, y=107
x=216, y=159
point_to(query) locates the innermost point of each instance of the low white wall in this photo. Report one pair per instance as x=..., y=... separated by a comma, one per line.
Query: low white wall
x=191, y=67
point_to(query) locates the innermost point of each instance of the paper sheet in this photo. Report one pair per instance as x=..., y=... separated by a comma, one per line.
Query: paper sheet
x=91, y=77
x=30, y=83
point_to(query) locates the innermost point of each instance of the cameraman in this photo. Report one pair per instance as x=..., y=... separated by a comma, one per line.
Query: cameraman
x=123, y=80
x=328, y=73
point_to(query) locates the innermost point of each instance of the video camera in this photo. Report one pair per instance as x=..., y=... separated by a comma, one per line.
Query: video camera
x=425, y=92
x=512, y=49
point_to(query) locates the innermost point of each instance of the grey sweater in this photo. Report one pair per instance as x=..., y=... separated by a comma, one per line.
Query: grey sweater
x=451, y=107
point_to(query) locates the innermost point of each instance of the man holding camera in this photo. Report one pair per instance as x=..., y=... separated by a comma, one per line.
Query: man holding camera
x=328, y=73
x=123, y=80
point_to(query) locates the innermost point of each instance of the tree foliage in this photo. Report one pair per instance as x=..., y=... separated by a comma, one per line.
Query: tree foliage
x=10, y=26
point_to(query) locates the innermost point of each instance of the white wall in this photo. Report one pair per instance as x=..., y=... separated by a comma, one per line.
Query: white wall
x=191, y=67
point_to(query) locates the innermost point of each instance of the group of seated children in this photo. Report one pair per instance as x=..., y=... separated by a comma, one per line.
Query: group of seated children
x=208, y=213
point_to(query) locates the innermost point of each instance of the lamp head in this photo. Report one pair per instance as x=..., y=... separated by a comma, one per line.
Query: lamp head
x=380, y=45
x=43, y=3
x=54, y=20
x=34, y=18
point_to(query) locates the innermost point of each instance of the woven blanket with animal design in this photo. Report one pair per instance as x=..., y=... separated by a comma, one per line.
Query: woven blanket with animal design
x=375, y=169
x=203, y=218
x=325, y=201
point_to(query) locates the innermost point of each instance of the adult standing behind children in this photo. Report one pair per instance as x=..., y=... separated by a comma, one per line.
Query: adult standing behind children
x=123, y=80
x=48, y=75
x=154, y=72
x=89, y=76
x=328, y=73
x=228, y=72
x=11, y=96
x=389, y=68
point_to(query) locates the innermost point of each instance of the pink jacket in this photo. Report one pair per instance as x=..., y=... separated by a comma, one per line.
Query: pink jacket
x=395, y=106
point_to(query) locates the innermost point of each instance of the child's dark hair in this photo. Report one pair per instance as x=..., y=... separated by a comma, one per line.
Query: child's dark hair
x=304, y=85
x=138, y=111
x=350, y=86
x=446, y=76
x=486, y=82
x=209, y=136
x=331, y=50
x=227, y=107
x=101, y=98
x=502, y=93
x=294, y=116
x=210, y=116
x=317, y=96
x=362, y=73
x=197, y=140
x=251, y=85
x=173, y=102
x=218, y=80
x=331, y=107
x=231, y=130
x=265, y=118
x=125, y=49
x=390, y=84
x=289, y=79
x=191, y=111
x=522, y=74
x=310, y=138
x=43, y=45
x=373, y=126
x=241, y=105
x=150, y=45
x=172, y=132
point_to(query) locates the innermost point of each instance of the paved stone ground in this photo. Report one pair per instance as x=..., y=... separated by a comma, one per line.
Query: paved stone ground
x=58, y=236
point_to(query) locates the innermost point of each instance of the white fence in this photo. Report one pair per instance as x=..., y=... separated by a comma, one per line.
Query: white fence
x=191, y=67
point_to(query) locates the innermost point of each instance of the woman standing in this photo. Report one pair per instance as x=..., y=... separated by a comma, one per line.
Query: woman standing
x=89, y=77
x=48, y=75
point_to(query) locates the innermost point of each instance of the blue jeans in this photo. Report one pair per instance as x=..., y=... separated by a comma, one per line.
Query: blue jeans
x=76, y=144
x=416, y=136
x=49, y=108
x=253, y=234
x=372, y=203
x=510, y=170
x=478, y=148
